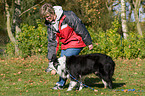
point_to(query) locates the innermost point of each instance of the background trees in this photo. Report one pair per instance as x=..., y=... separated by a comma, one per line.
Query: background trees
x=97, y=15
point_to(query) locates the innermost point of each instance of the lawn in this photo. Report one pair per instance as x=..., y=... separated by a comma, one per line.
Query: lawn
x=26, y=77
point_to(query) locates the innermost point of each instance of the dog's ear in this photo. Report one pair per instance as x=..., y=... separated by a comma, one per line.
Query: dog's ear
x=54, y=58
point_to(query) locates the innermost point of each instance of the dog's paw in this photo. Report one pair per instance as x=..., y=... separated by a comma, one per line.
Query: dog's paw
x=80, y=88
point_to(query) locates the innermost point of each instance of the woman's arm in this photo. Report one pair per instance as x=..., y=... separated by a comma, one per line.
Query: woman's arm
x=74, y=22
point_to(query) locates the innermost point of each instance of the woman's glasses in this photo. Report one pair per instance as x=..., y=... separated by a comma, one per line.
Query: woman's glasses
x=47, y=17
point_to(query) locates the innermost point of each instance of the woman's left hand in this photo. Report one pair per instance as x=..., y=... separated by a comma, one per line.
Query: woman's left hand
x=90, y=47
x=53, y=72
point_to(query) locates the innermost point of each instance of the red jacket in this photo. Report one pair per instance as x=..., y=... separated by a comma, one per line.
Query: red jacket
x=68, y=37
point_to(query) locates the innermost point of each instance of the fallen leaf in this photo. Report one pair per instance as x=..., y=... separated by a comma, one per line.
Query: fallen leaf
x=2, y=74
x=15, y=74
x=19, y=72
x=124, y=85
x=19, y=79
x=96, y=90
x=14, y=83
x=125, y=90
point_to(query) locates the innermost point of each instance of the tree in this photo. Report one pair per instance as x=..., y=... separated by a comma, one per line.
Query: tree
x=136, y=14
x=110, y=4
x=123, y=18
x=12, y=38
x=135, y=5
x=14, y=20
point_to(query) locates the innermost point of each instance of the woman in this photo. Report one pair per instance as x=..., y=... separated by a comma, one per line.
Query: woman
x=66, y=27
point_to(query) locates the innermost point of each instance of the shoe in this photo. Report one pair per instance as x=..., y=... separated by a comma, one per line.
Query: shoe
x=56, y=87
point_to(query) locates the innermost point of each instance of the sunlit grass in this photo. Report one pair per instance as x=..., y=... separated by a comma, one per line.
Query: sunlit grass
x=27, y=77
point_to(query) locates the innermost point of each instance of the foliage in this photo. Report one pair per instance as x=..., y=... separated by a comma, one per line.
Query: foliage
x=2, y=19
x=31, y=41
x=10, y=49
x=113, y=44
x=134, y=46
x=30, y=17
x=108, y=42
x=26, y=77
x=95, y=13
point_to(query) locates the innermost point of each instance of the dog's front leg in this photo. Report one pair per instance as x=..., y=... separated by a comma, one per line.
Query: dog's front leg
x=72, y=85
x=105, y=83
x=81, y=84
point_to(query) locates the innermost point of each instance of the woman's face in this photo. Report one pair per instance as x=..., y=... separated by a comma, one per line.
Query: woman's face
x=50, y=18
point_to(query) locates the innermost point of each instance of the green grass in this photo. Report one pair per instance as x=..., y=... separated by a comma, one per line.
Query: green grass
x=19, y=77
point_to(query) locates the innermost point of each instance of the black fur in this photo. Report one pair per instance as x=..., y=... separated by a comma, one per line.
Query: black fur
x=100, y=64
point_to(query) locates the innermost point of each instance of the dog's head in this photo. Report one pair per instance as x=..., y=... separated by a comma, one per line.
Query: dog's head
x=54, y=59
x=60, y=65
x=58, y=61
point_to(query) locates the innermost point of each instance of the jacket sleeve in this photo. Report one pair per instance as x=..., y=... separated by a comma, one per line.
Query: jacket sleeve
x=75, y=22
x=52, y=43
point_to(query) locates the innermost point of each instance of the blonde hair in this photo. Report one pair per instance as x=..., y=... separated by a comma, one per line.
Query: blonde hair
x=46, y=9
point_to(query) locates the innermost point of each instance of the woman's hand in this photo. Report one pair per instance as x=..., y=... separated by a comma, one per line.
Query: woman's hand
x=53, y=72
x=90, y=47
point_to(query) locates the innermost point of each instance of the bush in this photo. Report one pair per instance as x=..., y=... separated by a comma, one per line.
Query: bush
x=108, y=42
x=33, y=41
x=112, y=44
x=134, y=46
x=10, y=49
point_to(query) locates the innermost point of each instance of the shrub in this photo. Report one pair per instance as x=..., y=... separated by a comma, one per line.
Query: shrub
x=134, y=46
x=112, y=44
x=10, y=49
x=33, y=41
x=106, y=42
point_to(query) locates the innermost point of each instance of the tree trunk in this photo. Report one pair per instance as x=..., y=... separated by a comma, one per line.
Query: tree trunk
x=12, y=39
x=123, y=19
x=17, y=19
x=136, y=15
x=130, y=10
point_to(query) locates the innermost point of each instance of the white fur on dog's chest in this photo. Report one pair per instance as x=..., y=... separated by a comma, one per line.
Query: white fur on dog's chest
x=61, y=69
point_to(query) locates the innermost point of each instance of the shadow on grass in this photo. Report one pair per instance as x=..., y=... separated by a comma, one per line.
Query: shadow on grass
x=96, y=82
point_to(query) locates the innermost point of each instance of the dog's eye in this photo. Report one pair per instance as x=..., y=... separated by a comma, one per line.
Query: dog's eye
x=62, y=70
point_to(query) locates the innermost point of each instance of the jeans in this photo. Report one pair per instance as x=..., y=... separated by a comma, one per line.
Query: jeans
x=68, y=52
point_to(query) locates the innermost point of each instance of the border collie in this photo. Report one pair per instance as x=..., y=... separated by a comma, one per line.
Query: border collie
x=79, y=65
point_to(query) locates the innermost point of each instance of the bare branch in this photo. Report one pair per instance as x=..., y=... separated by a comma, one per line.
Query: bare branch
x=30, y=8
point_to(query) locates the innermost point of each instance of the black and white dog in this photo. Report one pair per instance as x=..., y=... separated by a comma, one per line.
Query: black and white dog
x=100, y=64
